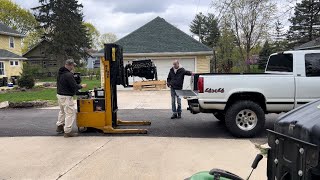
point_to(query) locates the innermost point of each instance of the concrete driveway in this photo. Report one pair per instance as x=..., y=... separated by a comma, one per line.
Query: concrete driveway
x=117, y=158
x=173, y=149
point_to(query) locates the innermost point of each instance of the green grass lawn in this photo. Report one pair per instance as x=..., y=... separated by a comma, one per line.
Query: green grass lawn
x=41, y=94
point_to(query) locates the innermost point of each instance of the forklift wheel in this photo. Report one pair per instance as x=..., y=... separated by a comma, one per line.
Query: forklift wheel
x=82, y=129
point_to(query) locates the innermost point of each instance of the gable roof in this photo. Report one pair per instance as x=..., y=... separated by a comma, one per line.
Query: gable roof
x=159, y=36
x=309, y=45
x=5, y=54
x=35, y=46
x=5, y=30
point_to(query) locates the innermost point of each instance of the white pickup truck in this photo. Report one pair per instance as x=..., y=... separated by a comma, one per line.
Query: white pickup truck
x=291, y=78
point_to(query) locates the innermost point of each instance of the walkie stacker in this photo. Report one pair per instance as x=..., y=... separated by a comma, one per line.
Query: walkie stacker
x=100, y=111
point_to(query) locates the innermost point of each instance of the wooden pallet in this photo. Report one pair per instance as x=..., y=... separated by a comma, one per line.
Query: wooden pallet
x=149, y=85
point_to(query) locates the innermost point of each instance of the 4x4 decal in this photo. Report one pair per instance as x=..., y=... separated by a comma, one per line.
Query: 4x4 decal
x=210, y=90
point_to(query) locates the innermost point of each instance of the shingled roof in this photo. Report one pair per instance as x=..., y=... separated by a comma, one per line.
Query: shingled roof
x=309, y=45
x=159, y=36
x=4, y=54
x=4, y=29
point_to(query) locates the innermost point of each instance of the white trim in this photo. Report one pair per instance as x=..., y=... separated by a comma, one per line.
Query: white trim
x=195, y=64
x=10, y=58
x=12, y=34
x=14, y=63
x=162, y=57
x=206, y=53
x=4, y=69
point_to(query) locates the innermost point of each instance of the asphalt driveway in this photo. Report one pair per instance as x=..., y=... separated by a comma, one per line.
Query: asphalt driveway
x=41, y=122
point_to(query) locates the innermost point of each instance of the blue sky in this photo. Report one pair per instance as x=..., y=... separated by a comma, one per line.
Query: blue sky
x=124, y=16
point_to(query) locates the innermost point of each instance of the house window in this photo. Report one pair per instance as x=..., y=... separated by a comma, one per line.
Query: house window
x=14, y=63
x=1, y=68
x=11, y=42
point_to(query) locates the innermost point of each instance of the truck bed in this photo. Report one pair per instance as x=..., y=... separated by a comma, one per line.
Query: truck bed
x=196, y=76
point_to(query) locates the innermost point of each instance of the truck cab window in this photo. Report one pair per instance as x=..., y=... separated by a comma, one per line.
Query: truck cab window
x=280, y=63
x=312, y=64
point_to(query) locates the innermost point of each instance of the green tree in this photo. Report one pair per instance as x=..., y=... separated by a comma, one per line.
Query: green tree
x=305, y=24
x=16, y=17
x=33, y=38
x=107, y=38
x=250, y=21
x=280, y=42
x=94, y=35
x=206, y=27
x=21, y=20
x=225, y=49
x=197, y=26
x=264, y=54
x=64, y=28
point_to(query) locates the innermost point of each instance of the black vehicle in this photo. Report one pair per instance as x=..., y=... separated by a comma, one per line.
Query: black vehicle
x=294, y=148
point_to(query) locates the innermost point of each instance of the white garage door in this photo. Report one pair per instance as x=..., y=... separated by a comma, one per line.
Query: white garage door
x=164, y=65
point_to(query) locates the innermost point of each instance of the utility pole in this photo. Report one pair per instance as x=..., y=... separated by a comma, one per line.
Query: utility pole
x=200, y=26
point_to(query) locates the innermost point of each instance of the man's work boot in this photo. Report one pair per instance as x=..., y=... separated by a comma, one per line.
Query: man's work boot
x=179, y=115
x=174, y=116
x=60, y=129
x=71, y=134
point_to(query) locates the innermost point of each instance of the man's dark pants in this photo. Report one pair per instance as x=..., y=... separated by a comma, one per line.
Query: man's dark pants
x=174, y=99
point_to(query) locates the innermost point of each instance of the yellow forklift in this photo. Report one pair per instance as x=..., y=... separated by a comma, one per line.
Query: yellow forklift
x=100, y=111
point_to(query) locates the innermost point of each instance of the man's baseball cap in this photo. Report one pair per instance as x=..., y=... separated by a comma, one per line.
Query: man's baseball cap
x=70, y=62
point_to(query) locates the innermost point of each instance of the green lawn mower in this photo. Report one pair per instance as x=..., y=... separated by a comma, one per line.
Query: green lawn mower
x=219, y=174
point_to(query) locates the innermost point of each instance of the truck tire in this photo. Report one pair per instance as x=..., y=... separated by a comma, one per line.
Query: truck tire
x=245, y=119
x=220, y=116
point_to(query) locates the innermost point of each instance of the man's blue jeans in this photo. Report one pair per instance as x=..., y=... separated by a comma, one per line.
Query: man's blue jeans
x=174, y=97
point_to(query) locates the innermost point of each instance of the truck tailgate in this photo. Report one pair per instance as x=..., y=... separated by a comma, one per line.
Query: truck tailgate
x=186, y=93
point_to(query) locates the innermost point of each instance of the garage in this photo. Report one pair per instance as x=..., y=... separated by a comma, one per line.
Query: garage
x=163, y=66
x=162, y=42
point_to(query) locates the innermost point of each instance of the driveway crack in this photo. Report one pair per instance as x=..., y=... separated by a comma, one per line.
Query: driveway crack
x=61, y=175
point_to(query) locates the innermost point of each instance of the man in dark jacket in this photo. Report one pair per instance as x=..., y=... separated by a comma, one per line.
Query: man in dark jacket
x=66, y=89
x=175, y=82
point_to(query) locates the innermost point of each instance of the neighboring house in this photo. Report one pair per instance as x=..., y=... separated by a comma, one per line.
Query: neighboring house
x=163, y=42
x=38, y=55
x=311, y=45
x=91, y=61
x=11, y=61
x=48, y=63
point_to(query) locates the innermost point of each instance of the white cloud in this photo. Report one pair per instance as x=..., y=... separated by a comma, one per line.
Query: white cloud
x=124, y=16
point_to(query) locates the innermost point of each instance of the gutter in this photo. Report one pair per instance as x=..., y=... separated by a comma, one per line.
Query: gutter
x=10, y=58
x=12, y=34
x=158, y=54
x=310, y=47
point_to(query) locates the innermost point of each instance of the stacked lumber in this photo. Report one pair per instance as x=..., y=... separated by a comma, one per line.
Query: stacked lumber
x=149, y=85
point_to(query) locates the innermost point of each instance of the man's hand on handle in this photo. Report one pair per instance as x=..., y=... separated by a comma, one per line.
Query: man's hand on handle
x=84, y=85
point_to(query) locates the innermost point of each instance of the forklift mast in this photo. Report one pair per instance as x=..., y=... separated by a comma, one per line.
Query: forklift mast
x=114, y=72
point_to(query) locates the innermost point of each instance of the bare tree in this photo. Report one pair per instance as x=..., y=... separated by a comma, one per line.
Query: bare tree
x=107, y=38
x=250, y=20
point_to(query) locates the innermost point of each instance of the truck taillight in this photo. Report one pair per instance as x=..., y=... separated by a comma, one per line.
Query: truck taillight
x=200, y=84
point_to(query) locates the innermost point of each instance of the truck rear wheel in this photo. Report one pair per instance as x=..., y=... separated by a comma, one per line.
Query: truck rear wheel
x=245, y=119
